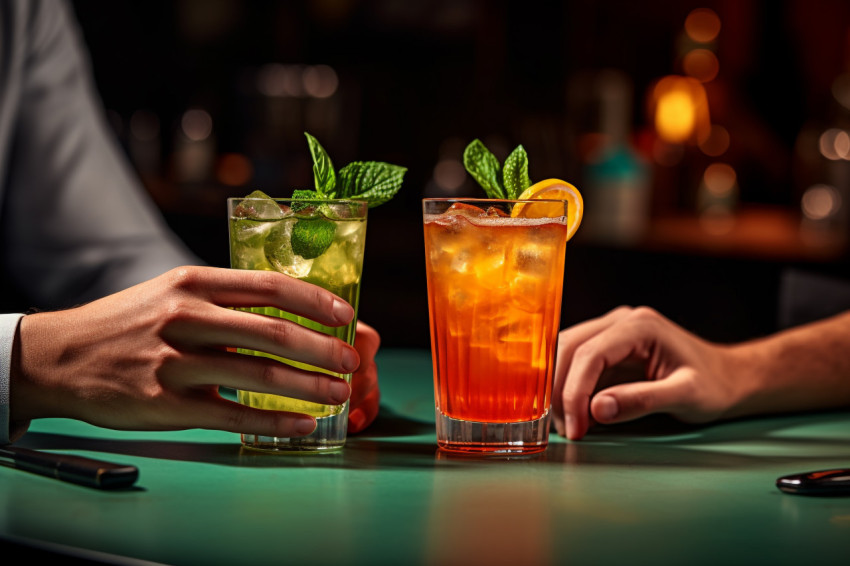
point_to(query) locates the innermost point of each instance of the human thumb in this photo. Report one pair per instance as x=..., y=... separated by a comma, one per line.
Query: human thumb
x=630, y=401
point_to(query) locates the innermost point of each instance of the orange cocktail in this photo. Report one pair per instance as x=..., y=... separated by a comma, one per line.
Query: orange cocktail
x=495, y=282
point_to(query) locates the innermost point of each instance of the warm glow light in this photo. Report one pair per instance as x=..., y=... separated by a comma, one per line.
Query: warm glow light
x=719, y=179
x=271, y=79
x=320, y=81
x=717, y=220
x=234, y=169
x=820, y=202
x=675, y=117
x=834, y=144
x=702, y=25
x=667, y=154
x=717, y=142
x=449, y=174
x=279, y=80
x=680, y=109
x=701, y=64
x=842, y=144
x=196, y=124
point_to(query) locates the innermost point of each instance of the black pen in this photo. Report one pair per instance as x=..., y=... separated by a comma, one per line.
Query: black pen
x=74, y=469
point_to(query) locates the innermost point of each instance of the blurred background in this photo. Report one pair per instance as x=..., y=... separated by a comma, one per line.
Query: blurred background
x=711, y=140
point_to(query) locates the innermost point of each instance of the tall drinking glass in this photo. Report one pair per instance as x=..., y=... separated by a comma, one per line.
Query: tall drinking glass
x=495, y=279
x=271, y=234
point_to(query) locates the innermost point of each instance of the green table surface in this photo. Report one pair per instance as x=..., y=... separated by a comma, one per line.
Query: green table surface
x=649, y=492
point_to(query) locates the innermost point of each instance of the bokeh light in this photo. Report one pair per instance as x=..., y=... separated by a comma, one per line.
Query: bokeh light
x=234, y=169
x=320, y=81
x=680, y=108
x=820, y=202
x=196, y=124
x=701, y=64
x=449, y=175
x=720, y=179
x=702, y=25
x=144, y=125
x=717, y=142
x=834, y=144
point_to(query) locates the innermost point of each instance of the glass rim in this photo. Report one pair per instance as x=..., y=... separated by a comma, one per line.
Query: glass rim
x=311, y=200
x=490, y=200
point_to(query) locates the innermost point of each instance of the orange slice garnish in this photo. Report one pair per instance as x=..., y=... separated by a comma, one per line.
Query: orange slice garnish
x=552, y=189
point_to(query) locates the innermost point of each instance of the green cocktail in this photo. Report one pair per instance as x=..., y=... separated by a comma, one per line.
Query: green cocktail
x=320, y=242
x=317, y=236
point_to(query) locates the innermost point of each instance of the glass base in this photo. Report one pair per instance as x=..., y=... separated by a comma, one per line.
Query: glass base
x=329, y=436
x=470, y=437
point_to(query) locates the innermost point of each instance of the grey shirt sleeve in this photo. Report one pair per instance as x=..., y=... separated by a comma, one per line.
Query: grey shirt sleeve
x=75, y=222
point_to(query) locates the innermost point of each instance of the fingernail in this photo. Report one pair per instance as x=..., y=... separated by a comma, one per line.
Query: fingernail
x=356, y=420
x=305, y=426
x=350, y=360
x=339, y=392
x=343, y=312
x=606, y=408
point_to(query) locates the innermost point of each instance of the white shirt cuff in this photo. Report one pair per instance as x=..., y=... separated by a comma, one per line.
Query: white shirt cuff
x=8, y=329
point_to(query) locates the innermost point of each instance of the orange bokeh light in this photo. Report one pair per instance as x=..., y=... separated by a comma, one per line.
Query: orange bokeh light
x=234, y=169
x=679, y=108
x=701, y=64
x=702, y=25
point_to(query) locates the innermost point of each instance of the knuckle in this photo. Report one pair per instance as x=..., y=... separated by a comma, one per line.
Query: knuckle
x=322, y=299
x=184, y=277
x=640, y=403
x=175, y=312
x=645, y=314
x=239, y=420
x=621, y=310
x=584, y=354
x=268, y=373
x=266, y=282
x=281, y=330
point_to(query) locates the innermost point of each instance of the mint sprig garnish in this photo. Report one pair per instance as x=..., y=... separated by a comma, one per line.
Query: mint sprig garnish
x=373, y=181
x=515, y=172
x=497, y=181
x=324, y=174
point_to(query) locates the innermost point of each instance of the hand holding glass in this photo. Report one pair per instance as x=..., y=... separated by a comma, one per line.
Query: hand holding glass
x=320, y=242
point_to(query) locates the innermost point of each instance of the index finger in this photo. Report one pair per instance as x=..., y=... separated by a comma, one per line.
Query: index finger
x=249, y=288
x=570, y=339
x=614, y=344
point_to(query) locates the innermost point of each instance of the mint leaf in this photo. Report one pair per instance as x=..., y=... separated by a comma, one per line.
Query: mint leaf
x=324, y=175
x=484, y=168
x=515, y=172
x=311, y=198
x=372, y=181
x=312, y=236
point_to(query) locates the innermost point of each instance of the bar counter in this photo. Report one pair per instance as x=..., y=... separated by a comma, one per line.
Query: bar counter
x=650, y=492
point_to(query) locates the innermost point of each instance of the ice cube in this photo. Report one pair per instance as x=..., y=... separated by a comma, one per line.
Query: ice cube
x=259, y=207
x=336, y=268
x=529, y=285
x=278, y=251
x=461, y=261
x=465, y=209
